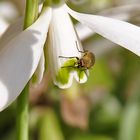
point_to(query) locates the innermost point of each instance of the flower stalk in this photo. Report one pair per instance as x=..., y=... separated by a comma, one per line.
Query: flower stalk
x=22, y=114
x=31, y=13
x=22, y=101
x=52, y=2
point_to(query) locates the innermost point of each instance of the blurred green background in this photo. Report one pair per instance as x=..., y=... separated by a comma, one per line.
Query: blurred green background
x=107, y=107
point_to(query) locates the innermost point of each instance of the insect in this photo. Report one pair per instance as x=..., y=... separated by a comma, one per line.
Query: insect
x=85, y=62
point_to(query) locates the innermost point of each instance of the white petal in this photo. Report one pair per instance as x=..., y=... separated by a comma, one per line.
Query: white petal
x=40, y=70
x=20, y=57
x=119, y=32
x=62, y=43
x=83, y=80
x=12, y=31
x=122, y=13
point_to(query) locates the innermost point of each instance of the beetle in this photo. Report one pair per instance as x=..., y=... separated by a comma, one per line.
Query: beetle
x=85, y=62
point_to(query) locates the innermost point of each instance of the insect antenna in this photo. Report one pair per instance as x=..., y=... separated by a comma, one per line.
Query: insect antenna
x=78, y=48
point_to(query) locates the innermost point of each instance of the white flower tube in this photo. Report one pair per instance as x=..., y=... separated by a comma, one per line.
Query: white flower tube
x=19, y=59
x=119, y=32
x=64, y=43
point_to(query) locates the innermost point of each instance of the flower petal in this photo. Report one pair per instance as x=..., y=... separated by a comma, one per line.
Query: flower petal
x=63, y=42
x=119, y=32
x=40, y=70
x=12, y=31
x=124, y=13
x=20, y=57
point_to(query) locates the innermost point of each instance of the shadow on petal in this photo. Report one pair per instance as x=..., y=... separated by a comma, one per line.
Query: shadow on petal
x=17, y=64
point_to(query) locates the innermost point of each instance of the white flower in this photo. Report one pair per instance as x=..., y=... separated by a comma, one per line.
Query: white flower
x=64, y=42
x=20, y=52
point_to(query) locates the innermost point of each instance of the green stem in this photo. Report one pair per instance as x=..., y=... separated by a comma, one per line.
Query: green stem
x=22, y=101
x=52, y=2
x=22, y=115
x=31, y=12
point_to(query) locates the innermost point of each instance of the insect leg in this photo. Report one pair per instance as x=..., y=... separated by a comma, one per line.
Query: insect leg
x=69, y=57
x=67, y=67
x=86, y=73
x=79, y=76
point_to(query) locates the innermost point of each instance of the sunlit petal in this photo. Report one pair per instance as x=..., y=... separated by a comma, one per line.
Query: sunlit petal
x=20, y=57
x=63, y=42
x=124, y=13
x=119, y=32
